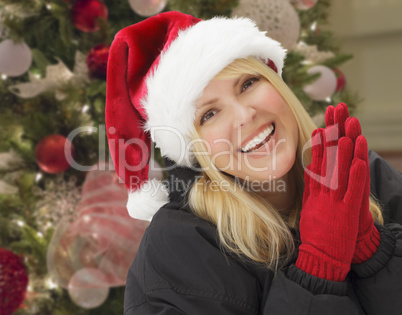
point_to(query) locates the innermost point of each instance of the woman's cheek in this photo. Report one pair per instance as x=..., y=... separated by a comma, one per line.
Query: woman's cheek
x=213, y=137
x=209, y=140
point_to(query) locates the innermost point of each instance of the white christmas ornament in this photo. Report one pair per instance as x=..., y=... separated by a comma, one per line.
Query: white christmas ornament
x=56, y=76
x=147, y=7
x=324, y=86
x=277, y=17
x=311, y=53
x=87, y=288
x=15, y=58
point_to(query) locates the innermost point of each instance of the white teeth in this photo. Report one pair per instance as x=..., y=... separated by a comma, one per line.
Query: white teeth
x=261, y=137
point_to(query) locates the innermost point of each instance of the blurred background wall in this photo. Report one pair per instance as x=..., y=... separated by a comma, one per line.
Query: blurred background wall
x=372, y=31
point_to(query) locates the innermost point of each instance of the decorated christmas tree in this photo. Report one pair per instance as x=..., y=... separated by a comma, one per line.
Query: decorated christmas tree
x=66, y=240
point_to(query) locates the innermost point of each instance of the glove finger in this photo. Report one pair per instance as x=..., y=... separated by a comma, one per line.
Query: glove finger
x=353, y=128
x=344, y=158
x=341, y=114
x=357, y=180
x=329, y=115
x=316, y=160
x=361, y=150
x=329, y=156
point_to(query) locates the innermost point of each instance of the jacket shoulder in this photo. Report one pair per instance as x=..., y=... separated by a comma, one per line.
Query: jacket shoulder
x=386, y=185
x=180, y=253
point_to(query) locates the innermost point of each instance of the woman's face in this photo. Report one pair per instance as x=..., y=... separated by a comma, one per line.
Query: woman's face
x=249, y=130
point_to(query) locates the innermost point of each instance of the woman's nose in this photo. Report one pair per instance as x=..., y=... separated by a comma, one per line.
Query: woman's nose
x=242, y=115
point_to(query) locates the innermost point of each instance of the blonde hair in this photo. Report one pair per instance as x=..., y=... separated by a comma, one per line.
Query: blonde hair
x=247, y=224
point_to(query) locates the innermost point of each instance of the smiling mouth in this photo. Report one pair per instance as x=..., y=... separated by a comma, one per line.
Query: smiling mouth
x=258, y=145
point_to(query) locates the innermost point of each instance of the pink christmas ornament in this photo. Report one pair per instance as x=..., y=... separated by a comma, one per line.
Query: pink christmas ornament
x=86, y=288
x=101, y=235
x=324, y=86
x=15, y=58
x=147, y=7
x=304, y=4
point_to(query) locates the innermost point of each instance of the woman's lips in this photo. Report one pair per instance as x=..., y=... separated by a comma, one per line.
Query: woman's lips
x=255, y=134
x=265, y=149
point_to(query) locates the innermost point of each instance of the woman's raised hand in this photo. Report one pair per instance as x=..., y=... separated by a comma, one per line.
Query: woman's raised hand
x=368, y=238
x=332, y=199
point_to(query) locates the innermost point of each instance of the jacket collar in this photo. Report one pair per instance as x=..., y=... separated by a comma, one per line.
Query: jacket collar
x=180, y=181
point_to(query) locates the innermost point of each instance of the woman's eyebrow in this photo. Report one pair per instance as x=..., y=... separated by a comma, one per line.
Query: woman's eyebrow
x=216, y=99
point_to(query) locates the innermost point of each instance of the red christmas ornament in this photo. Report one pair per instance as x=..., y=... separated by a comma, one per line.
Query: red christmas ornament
x=50, y=155
x=340, y=80
x=85, y=13
x=97, y=61
x=13, y=282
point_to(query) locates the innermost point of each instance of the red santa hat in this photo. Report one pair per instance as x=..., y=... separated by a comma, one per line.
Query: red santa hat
x=157, y=69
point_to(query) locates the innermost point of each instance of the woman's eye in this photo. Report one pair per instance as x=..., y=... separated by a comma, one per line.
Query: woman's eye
x=249, y=82
x=208, y=115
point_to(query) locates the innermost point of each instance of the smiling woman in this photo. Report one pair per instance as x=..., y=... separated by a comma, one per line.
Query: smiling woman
x=241, y=112
x=242, y=226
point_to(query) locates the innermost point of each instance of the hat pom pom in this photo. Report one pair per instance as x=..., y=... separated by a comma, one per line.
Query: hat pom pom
x=143, y=203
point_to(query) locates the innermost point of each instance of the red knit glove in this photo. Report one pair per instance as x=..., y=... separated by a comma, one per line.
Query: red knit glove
x=330, y=211
x=368, y=238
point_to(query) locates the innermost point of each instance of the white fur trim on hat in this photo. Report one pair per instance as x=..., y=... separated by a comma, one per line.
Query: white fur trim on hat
x=143, y=203
x=195, y=57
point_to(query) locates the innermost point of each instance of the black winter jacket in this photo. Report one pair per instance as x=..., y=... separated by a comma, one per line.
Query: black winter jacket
x=180, y=269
